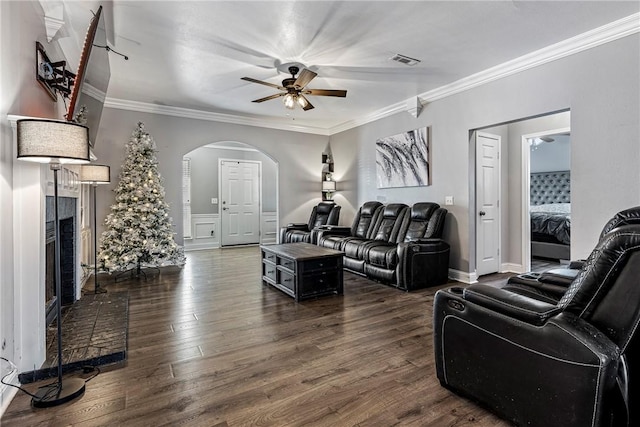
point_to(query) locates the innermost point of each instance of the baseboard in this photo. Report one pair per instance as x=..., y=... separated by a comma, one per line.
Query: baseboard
x=508, y=267
x=7, y=393
x=462, y=276
x=200, y=247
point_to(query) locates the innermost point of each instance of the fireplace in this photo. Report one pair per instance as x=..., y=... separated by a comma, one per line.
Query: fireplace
x=67, y=219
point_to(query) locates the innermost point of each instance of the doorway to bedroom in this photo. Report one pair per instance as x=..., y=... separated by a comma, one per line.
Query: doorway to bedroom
x=549, y=197
x=535, y=145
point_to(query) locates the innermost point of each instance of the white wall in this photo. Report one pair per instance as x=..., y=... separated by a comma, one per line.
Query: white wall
x=601, y=88
x=21, y=24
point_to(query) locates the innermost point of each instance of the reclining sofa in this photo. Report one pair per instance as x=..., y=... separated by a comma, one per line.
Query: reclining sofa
x=571, y=362
x=394, y=244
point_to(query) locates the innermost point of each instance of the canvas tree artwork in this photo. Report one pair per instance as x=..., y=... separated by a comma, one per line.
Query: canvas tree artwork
x=403, y=160
x=139, y=232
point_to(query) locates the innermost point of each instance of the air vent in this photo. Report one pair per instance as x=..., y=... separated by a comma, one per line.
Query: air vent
x=404, y=59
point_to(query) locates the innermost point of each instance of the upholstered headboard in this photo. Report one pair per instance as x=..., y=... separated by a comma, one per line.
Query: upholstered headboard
x=550, y=187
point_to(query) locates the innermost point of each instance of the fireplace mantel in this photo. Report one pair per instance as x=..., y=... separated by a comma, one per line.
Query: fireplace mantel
x=32, y=182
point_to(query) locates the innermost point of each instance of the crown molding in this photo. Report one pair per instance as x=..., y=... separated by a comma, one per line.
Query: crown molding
x=593, y=38
x=221, y=146
x=53, y=17
x=387, y=111
x=607, y=33
x=188, y=113
x=94, y=93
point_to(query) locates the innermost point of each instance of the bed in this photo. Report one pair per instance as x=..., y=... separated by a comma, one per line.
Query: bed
x=550, y=212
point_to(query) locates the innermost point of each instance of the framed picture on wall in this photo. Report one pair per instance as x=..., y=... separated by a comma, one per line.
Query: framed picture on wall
x=404, y=160
x=45, y=73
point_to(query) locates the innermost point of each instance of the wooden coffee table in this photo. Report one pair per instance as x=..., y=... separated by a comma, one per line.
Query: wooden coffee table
x=302, y=270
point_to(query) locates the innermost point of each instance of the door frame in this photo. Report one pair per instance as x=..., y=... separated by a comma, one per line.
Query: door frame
x=475, y=135
x=259, y=162
x=526, y=191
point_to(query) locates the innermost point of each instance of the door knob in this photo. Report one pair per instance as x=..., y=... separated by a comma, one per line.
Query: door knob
x=482, y=213
x=225, y=209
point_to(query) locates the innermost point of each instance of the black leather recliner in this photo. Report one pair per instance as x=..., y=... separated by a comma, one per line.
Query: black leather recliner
x=551, y=285
x=384, y=230
x=571, y=363
x=324, y=213
x=365, y=219
x=394, y=244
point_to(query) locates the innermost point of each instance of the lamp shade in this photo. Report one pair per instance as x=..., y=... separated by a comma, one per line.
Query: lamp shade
x=95, y=174
x=52, y=141
x=328, y=186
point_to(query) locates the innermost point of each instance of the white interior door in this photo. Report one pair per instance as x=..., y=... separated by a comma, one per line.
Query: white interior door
x=240, y=202
x=487, y=203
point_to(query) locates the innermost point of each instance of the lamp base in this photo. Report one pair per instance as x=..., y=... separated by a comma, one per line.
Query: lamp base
x=58, y=393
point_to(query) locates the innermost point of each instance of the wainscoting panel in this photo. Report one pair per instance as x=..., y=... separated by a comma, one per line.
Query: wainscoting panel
x=269, y=228
x=204, y=232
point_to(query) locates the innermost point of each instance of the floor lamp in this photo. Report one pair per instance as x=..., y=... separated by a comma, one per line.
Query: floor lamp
x=55, y=142
x=95, y=175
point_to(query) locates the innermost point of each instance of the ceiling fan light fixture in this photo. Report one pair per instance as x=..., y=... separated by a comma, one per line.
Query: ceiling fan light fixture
x=295, y=88
x=289, y=101
x=301, y=101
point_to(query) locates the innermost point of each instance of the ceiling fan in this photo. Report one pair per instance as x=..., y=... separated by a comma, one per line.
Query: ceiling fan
x=294, y=89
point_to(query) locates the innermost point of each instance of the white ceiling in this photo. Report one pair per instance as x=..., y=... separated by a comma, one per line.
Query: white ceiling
x=191, y=54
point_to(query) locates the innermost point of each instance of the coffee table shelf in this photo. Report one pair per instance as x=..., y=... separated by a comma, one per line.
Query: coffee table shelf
x=302, y=270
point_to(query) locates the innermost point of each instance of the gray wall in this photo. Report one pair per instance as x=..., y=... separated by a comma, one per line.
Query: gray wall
x=204, y=177
x=552, y=156
x=604, y=103
x=298, y=156
x=604, y=107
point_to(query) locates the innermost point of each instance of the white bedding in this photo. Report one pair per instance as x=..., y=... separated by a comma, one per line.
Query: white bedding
x=552, y=208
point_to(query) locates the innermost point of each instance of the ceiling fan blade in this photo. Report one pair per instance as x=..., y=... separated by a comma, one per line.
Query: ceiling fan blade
x=267, y=98
x=307, y=105
x=304, y=78
x=249, y=79
x=326, y=92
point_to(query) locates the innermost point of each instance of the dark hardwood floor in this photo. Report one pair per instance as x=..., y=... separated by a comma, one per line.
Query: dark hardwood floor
x=209, y=345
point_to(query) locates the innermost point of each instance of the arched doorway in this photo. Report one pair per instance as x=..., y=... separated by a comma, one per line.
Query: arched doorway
x=204, y=226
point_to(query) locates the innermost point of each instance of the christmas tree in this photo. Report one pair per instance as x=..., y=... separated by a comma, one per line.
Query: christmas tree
x=138, y=231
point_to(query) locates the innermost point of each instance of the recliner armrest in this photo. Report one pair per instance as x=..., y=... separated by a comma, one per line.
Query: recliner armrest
x=424, y=240
x=329, y=230
x=559, y=276
x=298, y=226
x=511, y=304
x=577, y=264
x=334, y=229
